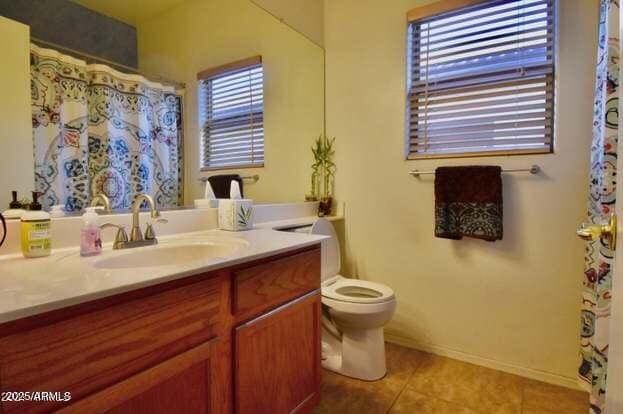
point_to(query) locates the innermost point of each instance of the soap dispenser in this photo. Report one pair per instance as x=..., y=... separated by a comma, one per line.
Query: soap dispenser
x=15, y=210
x=90, y=235
x=36, y=230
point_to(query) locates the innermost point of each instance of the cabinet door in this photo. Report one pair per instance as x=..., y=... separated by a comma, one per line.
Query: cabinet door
x=277, y=359
x=181, y=384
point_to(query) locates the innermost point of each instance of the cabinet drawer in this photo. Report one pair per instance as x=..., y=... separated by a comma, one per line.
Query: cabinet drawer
x=265, y=286
x=91, y=350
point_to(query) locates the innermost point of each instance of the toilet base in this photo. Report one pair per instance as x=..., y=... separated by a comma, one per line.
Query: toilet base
x=360, y=353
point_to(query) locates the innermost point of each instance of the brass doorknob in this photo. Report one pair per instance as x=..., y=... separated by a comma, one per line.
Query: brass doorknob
x=607, y=232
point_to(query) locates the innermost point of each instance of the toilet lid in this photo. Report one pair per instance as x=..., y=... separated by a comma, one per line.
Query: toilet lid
x=356, y=291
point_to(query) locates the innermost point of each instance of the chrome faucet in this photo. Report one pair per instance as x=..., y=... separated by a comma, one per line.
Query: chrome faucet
x=136, y=235
x=105, y=201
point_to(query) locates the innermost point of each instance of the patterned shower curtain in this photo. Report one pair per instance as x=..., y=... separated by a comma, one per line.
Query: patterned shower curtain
x=96, y=130
x=599, y=259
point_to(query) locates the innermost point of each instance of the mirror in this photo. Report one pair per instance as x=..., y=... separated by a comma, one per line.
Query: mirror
x=113, y=102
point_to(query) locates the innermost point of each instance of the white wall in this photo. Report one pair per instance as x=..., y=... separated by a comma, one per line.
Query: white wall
x=17, y=165
x=512, y=304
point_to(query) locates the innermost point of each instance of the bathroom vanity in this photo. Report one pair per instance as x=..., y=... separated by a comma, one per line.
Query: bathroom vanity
x=241, y=338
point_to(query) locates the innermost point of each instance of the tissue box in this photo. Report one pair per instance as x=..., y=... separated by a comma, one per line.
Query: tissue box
x=235, y=214
x=206, y=203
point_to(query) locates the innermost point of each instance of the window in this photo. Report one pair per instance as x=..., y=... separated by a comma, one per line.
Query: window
x=480, y=79
x=231, y=114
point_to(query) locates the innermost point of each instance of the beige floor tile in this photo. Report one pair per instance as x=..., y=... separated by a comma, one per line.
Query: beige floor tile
x=421, y=383
x=538, y=395
x=500, y=409
x=538, y=411
x=501, y=392
x=450, y=380
x=401, y=364
x=428, y=367
x=342, y=395
x=412, y=402
x=354, y=398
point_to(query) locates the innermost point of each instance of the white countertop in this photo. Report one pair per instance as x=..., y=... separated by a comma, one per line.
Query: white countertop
x=294, y=222
x=33, y=286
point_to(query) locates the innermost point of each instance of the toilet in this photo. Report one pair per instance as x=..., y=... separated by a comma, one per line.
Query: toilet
x=353, y=315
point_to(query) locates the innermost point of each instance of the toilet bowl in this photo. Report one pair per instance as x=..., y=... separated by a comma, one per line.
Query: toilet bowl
x=354, y=313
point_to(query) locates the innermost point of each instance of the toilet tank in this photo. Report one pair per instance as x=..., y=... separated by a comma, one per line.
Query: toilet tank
x=330, y=248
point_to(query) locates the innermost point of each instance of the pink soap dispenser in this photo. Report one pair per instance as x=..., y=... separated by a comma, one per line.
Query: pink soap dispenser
x=90, y=235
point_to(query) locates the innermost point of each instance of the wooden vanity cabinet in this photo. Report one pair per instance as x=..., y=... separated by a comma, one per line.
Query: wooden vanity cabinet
x=244, y=339
x=276, y=358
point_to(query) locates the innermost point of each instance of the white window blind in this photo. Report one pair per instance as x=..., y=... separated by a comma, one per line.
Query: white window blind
x=481, y=80
x=231, y=106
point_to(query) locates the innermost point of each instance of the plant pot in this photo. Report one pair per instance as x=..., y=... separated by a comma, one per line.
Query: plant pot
x=324, y=209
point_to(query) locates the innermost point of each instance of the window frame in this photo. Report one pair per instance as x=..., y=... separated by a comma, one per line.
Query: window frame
x=443, y=7
x=211, y=74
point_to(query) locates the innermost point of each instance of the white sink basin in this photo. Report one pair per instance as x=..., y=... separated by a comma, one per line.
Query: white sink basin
x=167, y=255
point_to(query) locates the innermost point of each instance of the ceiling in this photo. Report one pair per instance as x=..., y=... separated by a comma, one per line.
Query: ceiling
x=129, y=11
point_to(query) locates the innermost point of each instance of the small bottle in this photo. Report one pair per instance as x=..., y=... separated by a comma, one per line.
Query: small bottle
x=90, y=235
x=36, y=230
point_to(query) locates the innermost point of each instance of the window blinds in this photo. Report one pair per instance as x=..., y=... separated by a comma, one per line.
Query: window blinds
x=481, y=80
x=232, y=116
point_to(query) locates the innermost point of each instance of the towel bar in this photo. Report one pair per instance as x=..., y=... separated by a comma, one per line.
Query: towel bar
x=534, y=169
x=253, y=178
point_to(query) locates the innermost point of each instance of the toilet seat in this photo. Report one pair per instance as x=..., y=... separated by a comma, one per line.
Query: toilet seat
x=349, y=290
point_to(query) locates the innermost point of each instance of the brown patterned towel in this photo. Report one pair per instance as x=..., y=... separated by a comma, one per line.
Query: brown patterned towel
x=468, y=202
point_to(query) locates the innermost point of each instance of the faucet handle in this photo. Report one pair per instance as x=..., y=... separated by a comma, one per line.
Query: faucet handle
x=111, y=226
x=150, y=234
x=121, y=237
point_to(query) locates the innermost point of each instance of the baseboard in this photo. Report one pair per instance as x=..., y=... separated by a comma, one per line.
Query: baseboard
x=535, y=374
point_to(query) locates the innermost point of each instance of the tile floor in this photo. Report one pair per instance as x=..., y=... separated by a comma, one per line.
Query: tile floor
x=421, y=383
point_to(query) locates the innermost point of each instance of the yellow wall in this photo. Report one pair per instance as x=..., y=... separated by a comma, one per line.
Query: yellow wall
x=512, y=304
x=17, y=166
x=202, y=34
x=305, y=16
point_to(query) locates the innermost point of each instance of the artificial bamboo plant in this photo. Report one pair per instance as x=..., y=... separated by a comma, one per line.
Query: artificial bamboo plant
x=323, y=172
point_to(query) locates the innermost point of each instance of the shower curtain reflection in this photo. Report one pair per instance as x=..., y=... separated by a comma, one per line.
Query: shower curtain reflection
x=97, y=130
